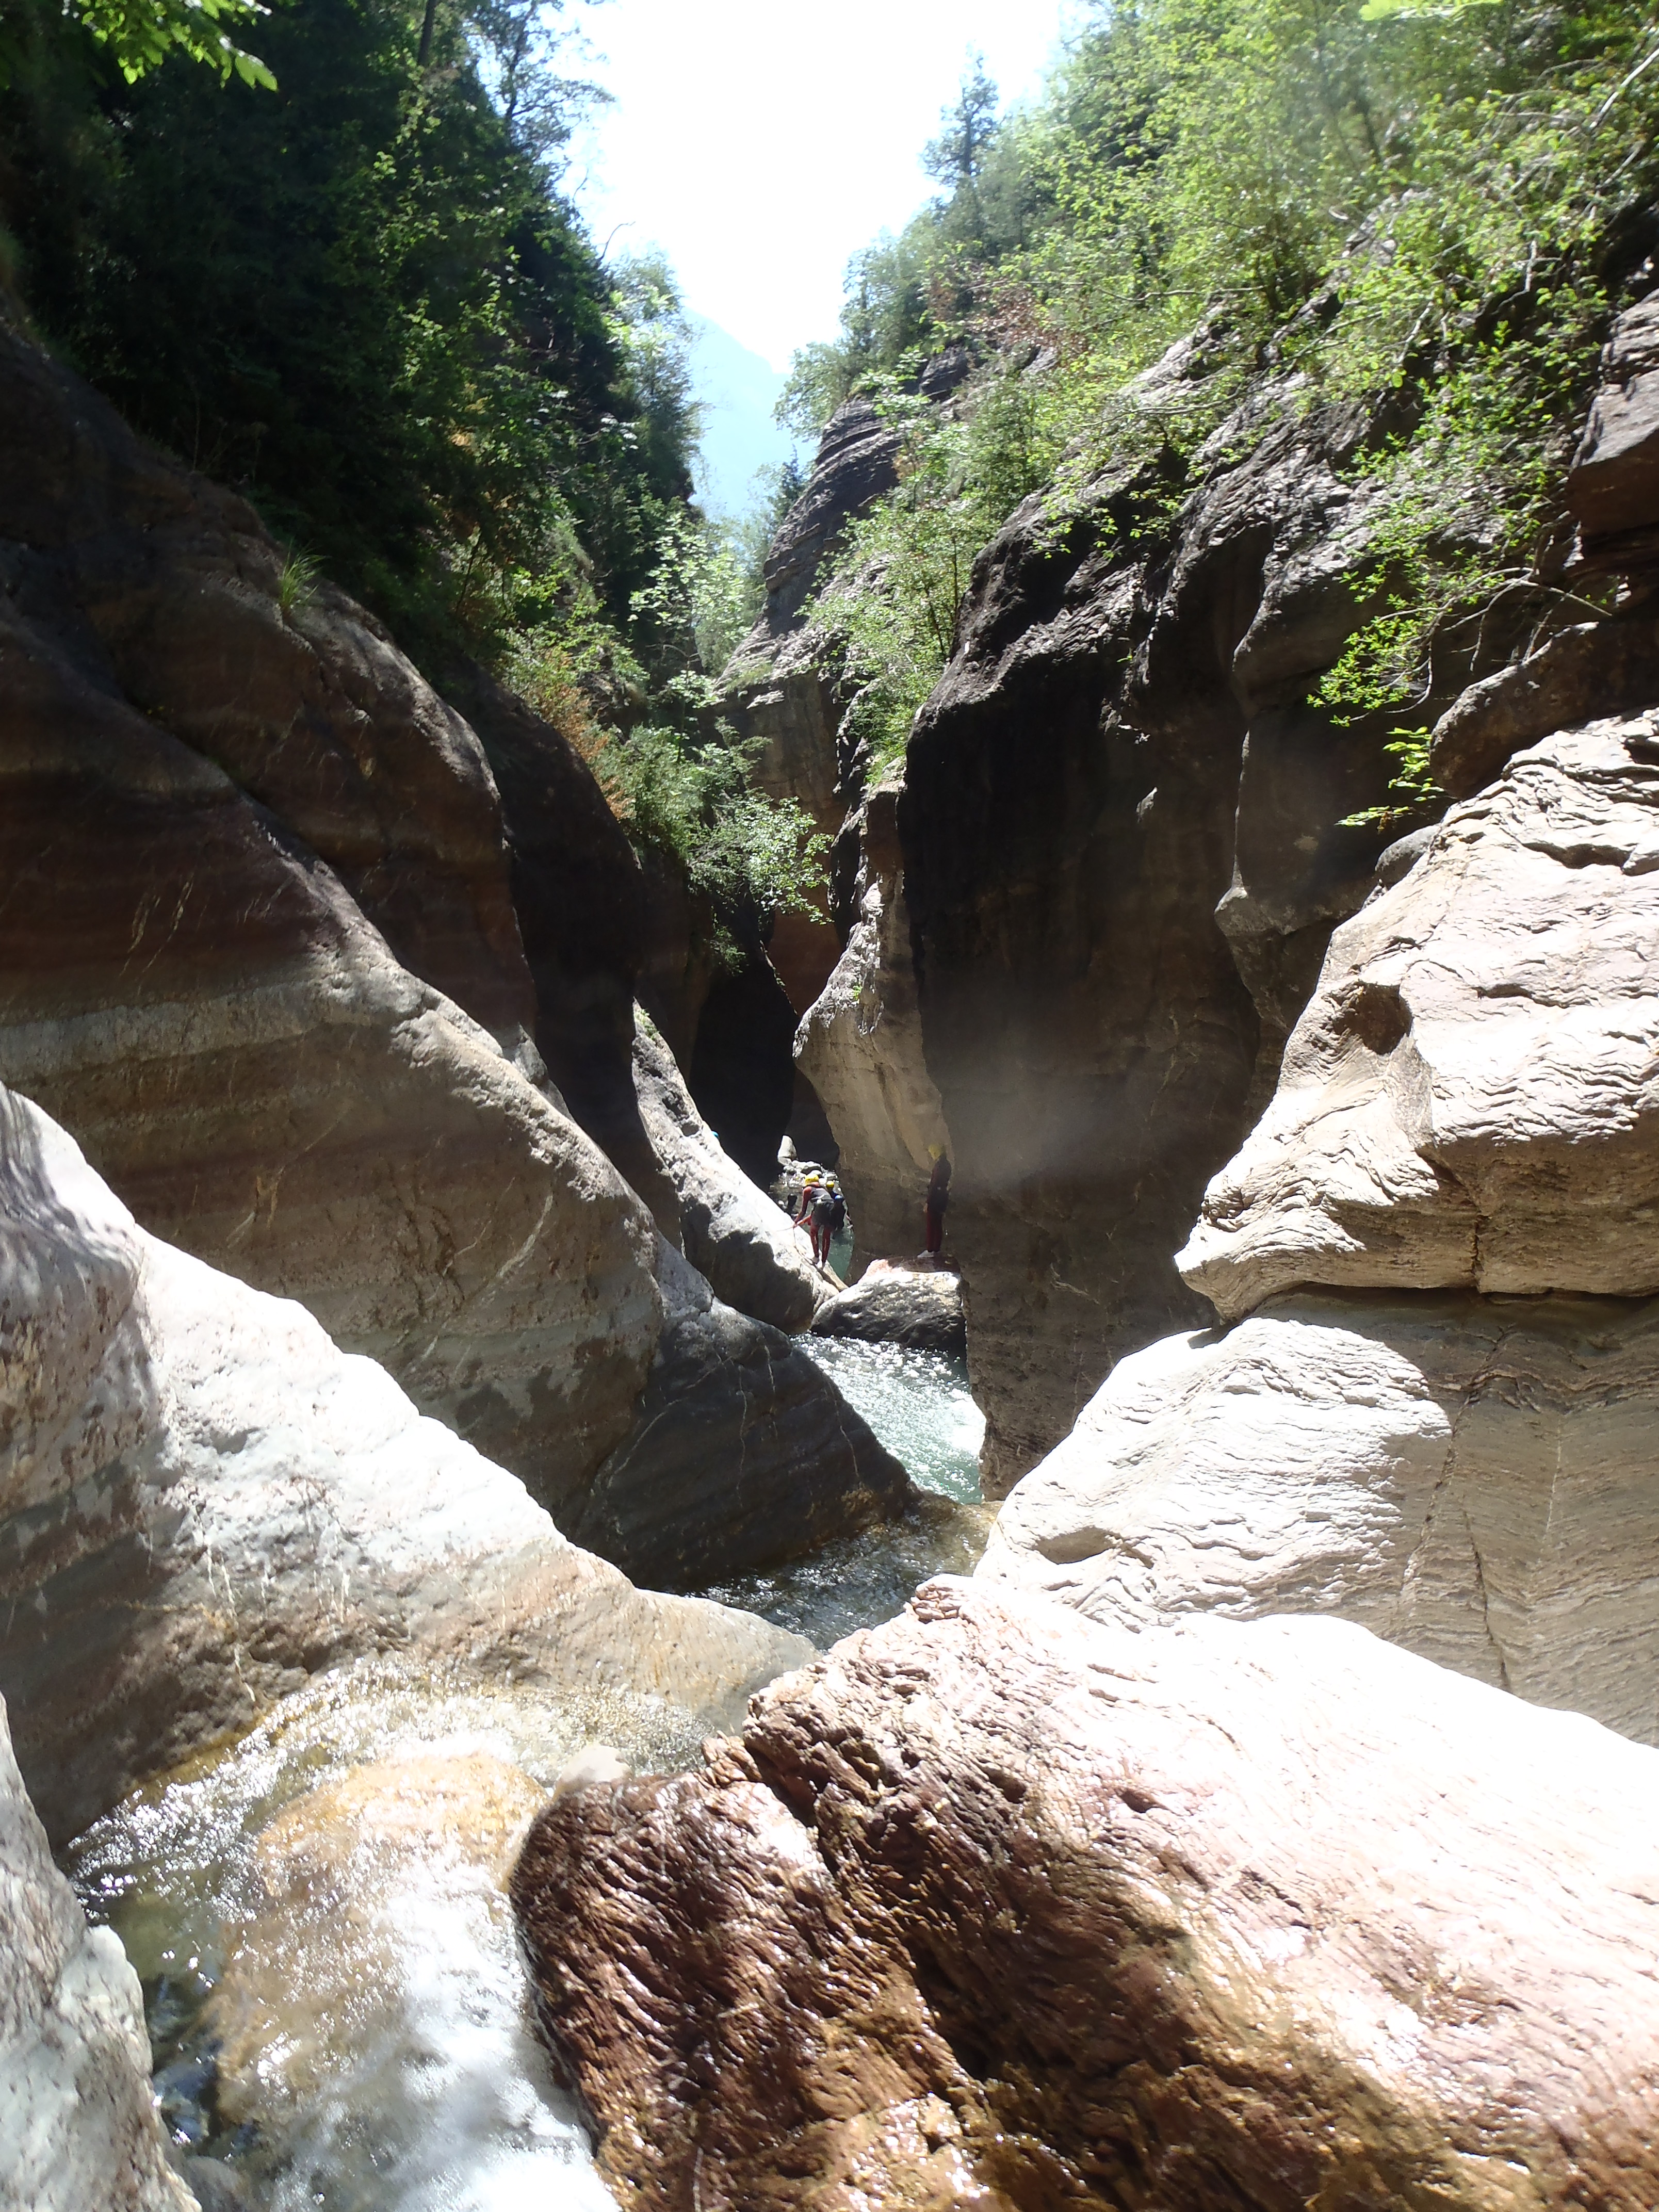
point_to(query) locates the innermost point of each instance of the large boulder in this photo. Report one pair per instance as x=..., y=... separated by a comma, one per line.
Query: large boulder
x=728, y=1228
x=154, y=584
x=1472, y=1479
x=996, y=1906
x=1471, y=1098
x=899, y=1302
x=744, y=1454
x=860, y=1047
x=203, y=1501
x=78, y=2128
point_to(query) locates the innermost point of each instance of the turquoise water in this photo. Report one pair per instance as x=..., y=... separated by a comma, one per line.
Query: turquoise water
x=918, y=1404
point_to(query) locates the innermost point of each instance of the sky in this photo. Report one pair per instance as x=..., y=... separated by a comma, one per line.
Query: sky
x=760, y=143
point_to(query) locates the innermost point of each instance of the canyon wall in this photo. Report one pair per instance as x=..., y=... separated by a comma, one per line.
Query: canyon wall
x=1124, y=837
x=280, y=951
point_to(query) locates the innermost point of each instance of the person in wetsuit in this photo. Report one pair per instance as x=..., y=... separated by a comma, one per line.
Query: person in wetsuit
x=939, y=1191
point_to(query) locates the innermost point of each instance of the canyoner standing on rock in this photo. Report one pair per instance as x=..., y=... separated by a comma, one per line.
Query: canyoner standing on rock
x=820, y=1202
x=932, y=1211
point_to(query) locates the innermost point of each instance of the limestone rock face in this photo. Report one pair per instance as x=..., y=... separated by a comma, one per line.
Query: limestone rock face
x=743, y=1453
x=861, y=1048
x=203, y=1501
x=154, y=584
x=1469, y=1099
x=996, y=1906
x=1613, y=487
x=78, y=2131
x=1470, y=1478
x=194, y=995
x=729, y=1230
x=892, y=1303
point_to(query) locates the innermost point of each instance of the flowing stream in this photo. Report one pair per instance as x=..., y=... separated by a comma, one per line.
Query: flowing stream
x=336, y=2002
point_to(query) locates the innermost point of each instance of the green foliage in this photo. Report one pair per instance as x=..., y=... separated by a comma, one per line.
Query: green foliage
x=361, y=299
x=297, y=584
x=139, y=35
x=692, y=798
x=1370, y=202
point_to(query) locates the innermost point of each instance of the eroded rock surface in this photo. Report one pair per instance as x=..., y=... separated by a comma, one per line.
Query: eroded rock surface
x=995, y=1906
x=861, y=1048
x=154, y=584
x=198, y=998
x=744, y=1454
x=1613, y=487
x=896, y=1303
x=78, y=2131
x=733, y=1233
x=1469, y=1099
x=1472, y=1479
x=203, y=1501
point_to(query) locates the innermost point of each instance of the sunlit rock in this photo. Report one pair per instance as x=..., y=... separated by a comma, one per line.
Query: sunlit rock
x=1472, y=1479
x=1471, y=1098
x=202, y=1502
x=995, y=1906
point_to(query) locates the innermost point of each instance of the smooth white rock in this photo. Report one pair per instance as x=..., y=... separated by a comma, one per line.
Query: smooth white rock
x=1472, y=1479
x=1471, y=1098
x=78, y=2128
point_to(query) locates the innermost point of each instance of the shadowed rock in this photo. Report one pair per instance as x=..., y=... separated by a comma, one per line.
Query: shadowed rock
x=744, y=1455
x=893, y=1302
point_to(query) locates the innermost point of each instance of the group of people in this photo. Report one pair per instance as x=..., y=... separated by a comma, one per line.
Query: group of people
x=821, y=1211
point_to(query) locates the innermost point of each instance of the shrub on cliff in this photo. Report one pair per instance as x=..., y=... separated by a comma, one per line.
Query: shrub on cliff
x=1357, y=198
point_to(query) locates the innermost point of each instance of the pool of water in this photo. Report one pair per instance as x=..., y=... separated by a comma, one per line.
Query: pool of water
x=401, y=2072
x=919, y=1404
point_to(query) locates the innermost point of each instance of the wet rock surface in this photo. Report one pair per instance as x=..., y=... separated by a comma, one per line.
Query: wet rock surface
x=77, y=2127
x=204, y=1502
x=893, y=1302
x=994, y=1906
x=1468, y=1099
x=1470, y=1478
x=743, y=1453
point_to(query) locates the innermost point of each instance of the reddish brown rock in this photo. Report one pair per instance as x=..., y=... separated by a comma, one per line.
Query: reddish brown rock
x=993, y=1907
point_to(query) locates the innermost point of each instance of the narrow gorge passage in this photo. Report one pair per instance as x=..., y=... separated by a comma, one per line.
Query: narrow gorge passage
x=829, y=1106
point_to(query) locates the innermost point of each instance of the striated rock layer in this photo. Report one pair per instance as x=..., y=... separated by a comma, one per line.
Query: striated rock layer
x=1471, y=1478
x=861, y=1048
x=994, y=1906
x=78, y=2129
x=196, y=996
x=203, y=1501
x=1472, y=1097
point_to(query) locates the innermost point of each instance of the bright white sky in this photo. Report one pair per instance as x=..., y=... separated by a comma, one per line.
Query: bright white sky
x=761, y=143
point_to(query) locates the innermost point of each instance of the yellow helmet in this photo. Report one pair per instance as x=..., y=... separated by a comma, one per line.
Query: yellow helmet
x=936, y=1152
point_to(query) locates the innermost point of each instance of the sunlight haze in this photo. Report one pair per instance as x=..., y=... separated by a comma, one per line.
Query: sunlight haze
x=761, y=146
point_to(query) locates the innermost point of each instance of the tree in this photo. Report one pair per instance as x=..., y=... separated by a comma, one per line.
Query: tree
x=957, y=157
